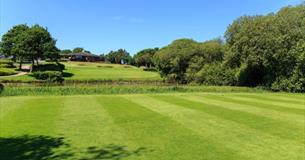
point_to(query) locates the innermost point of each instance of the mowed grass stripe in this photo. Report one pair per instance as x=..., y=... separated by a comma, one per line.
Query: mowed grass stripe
x=268, y=105
x=36, y=116
x=216, y=99
x=87, y=119
x=264, y=124
x=277, y=103
x=6, y=106
x=246, y=141
x=278, y=100
x=160, y=134
x=255, y=103
x=85, y=124
x=289, y=97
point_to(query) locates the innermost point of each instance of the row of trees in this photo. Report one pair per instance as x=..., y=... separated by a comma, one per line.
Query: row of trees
x=264, y=51
x=75, y=50
x=25, y=43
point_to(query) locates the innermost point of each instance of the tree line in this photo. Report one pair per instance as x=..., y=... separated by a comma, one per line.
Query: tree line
x=267, y=51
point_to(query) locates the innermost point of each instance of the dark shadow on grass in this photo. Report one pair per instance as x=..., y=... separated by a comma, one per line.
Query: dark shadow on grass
x=23, y=70
x=104, y=66
x=113, y=152
x=50, y=148
x=32, y=148
x=67, y=74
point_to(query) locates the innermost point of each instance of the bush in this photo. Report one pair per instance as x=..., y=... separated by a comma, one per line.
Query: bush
x=49, y=76
x=150, y=69
x=296, y=83
x=251, y=75
x=7, y=72
x=1, y=87
x=50, y=67
x=216, y=74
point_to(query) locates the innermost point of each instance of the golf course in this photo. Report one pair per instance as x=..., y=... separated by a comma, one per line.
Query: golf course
x=152, y=80
x=227, y=126
x=81, y=71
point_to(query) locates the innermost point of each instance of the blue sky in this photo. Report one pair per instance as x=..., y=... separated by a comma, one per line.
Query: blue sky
x=104, y=25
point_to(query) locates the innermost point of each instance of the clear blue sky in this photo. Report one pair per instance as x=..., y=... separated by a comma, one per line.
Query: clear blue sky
x=104, y=25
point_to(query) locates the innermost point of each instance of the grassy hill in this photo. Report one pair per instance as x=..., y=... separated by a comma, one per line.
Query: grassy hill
x=226, y=126
x=99, y=71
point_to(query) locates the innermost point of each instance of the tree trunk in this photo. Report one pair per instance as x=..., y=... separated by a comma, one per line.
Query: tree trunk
x=37, y=62
x=31, y=70
x=20, y=64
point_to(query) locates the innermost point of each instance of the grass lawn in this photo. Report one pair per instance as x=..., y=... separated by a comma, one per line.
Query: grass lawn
x=186, y=126
x=100, y=71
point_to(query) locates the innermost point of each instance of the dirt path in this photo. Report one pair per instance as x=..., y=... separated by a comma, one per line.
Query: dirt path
x=19, y=73
x=15, y=75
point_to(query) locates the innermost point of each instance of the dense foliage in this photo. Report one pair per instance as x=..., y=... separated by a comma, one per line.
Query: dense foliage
x=181, y=60
x=145, y=57
x=66, y=51
x=1, y=87
x=78, y=50
x=120, y=56
x=268, y=50
x=29, y=43
x=49, y=76
x=258, y=51
x=50, y=67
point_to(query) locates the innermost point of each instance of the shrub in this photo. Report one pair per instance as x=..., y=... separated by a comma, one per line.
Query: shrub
x=50, y=67
x=7, y=72
x=216, y=74
x=296, y=83
x=150, y=69
x=49, y=76
x=1, y=87
x=251, y=75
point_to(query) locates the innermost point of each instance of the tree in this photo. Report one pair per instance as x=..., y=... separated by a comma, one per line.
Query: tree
x=261, y=45
x=208, y=52
x=103, y=57
x=182, y=59
x=9, y=40
x=65, y=51
x=78, y=50
x=118, y=57
x=145, y=57
x=172, y=61
x=31, y=43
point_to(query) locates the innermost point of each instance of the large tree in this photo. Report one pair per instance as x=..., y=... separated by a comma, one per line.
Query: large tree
x=78, y=50
x=145, y=57
x=9, y=40
x=31, y=43
x=65, y=51
x=172, y=61
x=182, y=59
x=263, y=47
x=118, y=56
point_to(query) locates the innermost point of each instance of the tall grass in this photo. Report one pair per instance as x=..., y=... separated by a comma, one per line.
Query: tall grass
x=114, y=89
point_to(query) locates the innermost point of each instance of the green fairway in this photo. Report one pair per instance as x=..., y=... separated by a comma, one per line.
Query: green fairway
x=186, y=126
x=100, y=71
x=83, y=71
